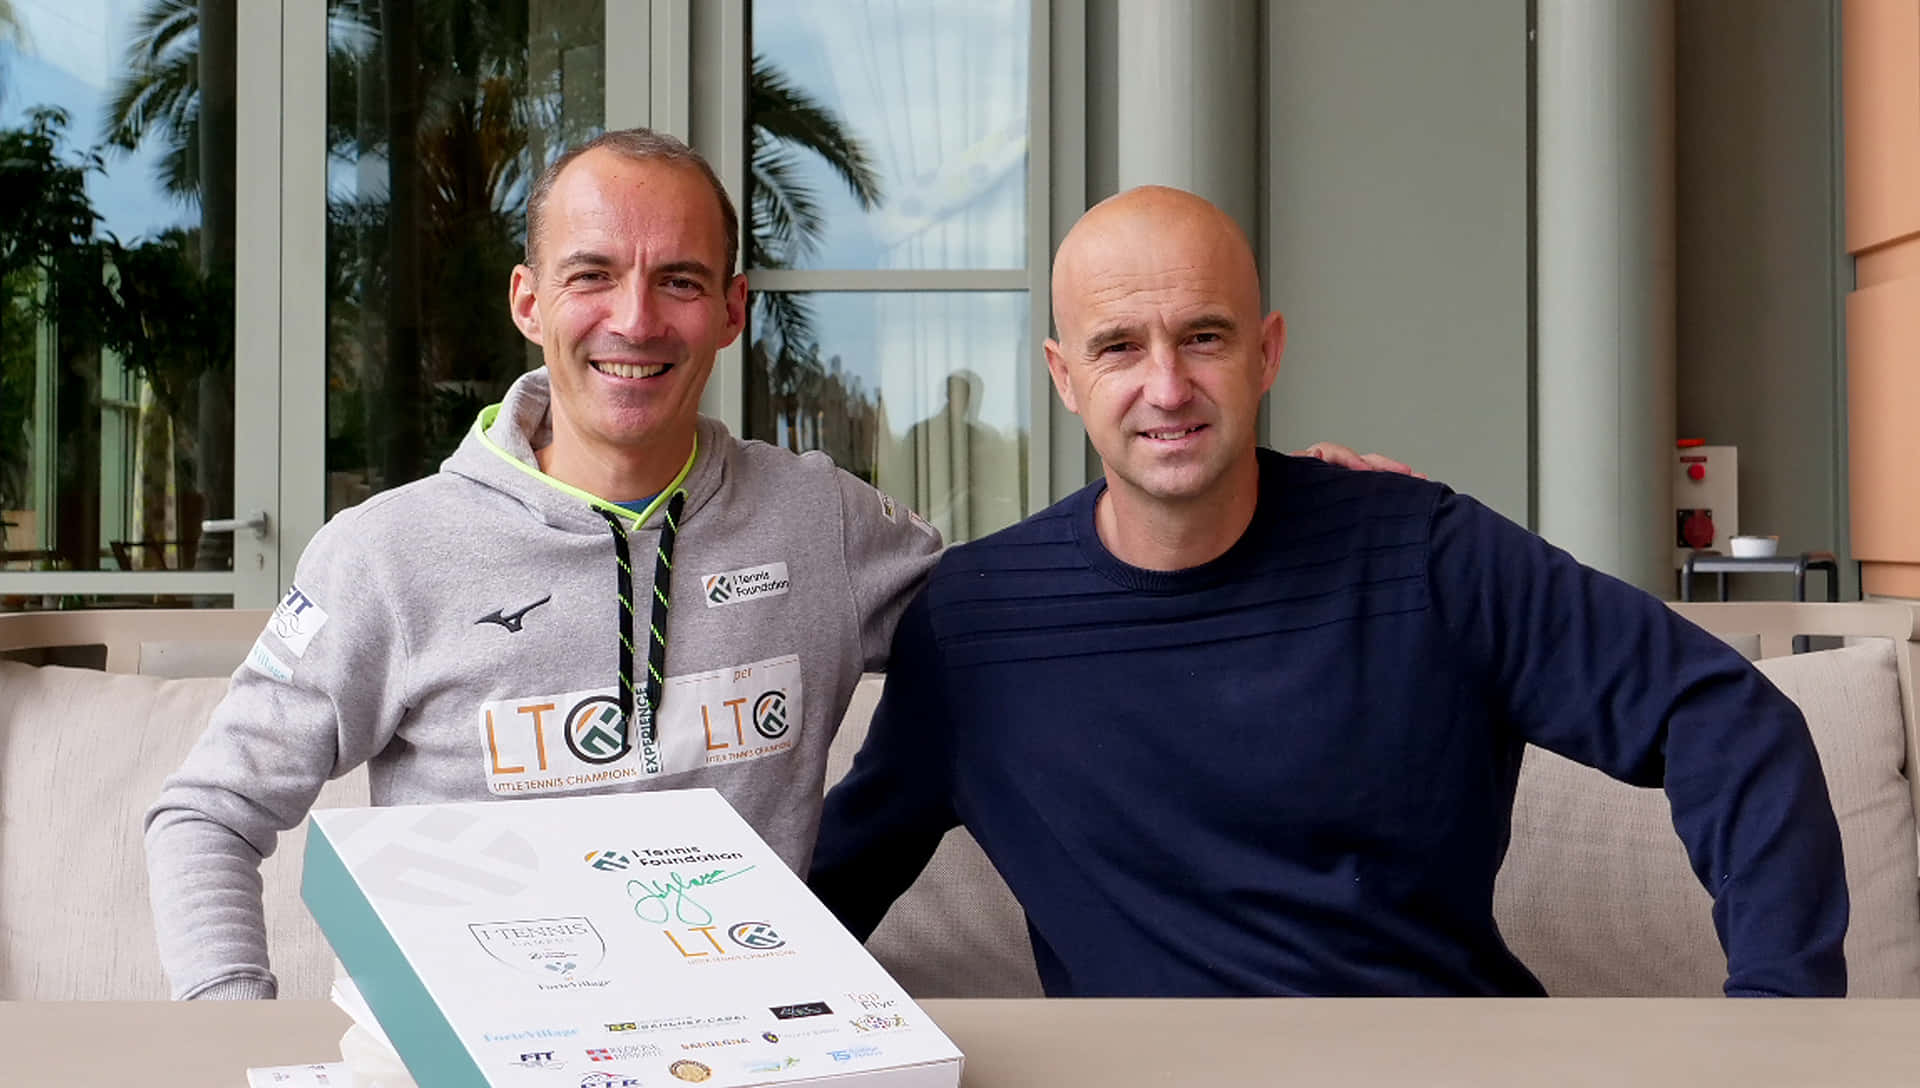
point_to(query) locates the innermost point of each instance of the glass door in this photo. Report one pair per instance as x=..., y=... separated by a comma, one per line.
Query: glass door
x=440, y=114
x=138, y=267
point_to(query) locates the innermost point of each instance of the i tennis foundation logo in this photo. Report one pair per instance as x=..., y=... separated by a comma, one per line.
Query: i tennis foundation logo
x=743, y=585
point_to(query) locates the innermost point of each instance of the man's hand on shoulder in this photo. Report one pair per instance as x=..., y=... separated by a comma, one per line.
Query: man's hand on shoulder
x=1333, y=453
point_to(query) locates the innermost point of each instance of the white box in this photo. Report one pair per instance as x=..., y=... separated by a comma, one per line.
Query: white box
x=605, y=942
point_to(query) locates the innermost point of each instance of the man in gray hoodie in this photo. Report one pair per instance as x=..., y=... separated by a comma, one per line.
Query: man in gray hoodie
x=501, y=629
x=489, y=631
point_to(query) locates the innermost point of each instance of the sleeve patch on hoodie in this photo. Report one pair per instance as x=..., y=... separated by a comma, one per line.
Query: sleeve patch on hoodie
x=267, y=663
x=296, y=619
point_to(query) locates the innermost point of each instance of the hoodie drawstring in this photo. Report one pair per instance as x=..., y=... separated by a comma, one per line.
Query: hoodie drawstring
x=655, y=678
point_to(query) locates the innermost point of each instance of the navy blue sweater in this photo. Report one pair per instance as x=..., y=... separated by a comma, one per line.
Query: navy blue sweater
x=1291, y=770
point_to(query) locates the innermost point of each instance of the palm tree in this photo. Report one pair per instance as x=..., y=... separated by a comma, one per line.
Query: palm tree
x=158, y=99
x=460, y=132
x=158, y=95
x=785, y=217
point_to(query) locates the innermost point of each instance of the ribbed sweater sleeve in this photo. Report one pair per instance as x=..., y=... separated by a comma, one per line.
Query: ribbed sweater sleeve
x=884, y=820
x=1597, y=671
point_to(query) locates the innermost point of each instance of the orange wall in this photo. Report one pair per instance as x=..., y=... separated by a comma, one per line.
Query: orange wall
x=1880, y=42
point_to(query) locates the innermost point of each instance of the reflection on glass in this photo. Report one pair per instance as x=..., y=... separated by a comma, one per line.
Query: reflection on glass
x=439, y=117
x=922, y=394
x=116, y=284
x=888, y=135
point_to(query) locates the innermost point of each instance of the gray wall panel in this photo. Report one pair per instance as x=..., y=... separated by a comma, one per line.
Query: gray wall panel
x=1397, y=234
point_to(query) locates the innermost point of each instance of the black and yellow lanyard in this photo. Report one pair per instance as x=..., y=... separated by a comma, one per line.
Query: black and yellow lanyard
x=655, y=679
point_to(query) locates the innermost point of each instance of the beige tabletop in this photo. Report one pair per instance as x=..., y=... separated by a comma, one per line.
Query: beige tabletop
x=1116, y=1044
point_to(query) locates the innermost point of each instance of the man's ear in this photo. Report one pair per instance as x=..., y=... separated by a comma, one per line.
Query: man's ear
x=1057, y=367
x=1273, y=341
x=522, y=304
x=736, y=302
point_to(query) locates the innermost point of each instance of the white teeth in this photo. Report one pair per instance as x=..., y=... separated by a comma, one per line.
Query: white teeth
x=1168, y=436
x=623, y=370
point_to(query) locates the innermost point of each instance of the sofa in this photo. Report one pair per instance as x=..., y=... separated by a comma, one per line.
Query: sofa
x=95, y=710
x=1596, y=895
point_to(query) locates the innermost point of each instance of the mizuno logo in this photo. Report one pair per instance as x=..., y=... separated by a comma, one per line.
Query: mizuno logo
x=511, y=620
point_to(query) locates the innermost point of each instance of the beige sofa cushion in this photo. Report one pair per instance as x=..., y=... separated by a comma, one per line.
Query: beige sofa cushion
x=82, y=755
x=1597, y=897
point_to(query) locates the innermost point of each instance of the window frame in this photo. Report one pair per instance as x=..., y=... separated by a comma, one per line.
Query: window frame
x=717, y=62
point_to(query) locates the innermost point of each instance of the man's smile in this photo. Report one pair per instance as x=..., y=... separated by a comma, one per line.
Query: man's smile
x=629, y=370
x=1173, y=434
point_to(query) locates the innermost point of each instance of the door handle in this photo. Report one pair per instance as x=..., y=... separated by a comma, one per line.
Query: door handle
x=256, y=521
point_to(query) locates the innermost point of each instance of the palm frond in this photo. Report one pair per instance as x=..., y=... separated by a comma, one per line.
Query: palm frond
x=164, y=96
x=786, y=220
x=790, y=115
x=159, y=28
x=178, y=169
x=781, y=320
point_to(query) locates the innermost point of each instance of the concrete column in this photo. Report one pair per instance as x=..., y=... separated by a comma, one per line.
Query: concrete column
x=1187, y=95
x=1605, y=289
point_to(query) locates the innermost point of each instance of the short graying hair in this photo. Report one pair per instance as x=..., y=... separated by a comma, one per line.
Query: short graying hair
x=640, y=145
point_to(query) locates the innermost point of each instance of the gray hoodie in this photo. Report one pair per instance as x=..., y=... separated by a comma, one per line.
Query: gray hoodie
x=460, y=635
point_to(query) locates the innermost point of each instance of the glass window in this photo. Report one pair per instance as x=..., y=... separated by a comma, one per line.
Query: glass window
x=893, y=137
x=888, y=135
x=117, y=150
x=439, y=117
x=920, y=393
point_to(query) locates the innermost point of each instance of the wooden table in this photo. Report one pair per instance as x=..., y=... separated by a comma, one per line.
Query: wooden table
x=1118, y=1044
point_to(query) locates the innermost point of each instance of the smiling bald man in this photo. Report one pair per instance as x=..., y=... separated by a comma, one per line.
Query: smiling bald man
x=1231, y=722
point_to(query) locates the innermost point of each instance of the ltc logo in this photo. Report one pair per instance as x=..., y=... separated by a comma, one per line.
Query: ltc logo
x=752, y=936
x=296, y=619
x=608, y=1080
x=770, y=714
x=746, y=584
x=594, y=730
x=756, y=936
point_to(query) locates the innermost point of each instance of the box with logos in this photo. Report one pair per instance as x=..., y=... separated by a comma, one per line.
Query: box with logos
x=605, y=942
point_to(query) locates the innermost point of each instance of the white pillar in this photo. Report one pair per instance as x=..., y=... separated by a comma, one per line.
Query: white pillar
x=1188, y=100
x=1604, y=239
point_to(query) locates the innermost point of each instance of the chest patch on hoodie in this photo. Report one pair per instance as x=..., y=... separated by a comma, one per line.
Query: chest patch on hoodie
x=572, y=740
x=743, y=585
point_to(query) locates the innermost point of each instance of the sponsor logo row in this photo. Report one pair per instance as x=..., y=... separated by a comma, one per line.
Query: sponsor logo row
x=688, y=1069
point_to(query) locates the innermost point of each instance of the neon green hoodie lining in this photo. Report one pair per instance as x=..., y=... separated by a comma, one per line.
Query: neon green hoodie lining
x=492, y=411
